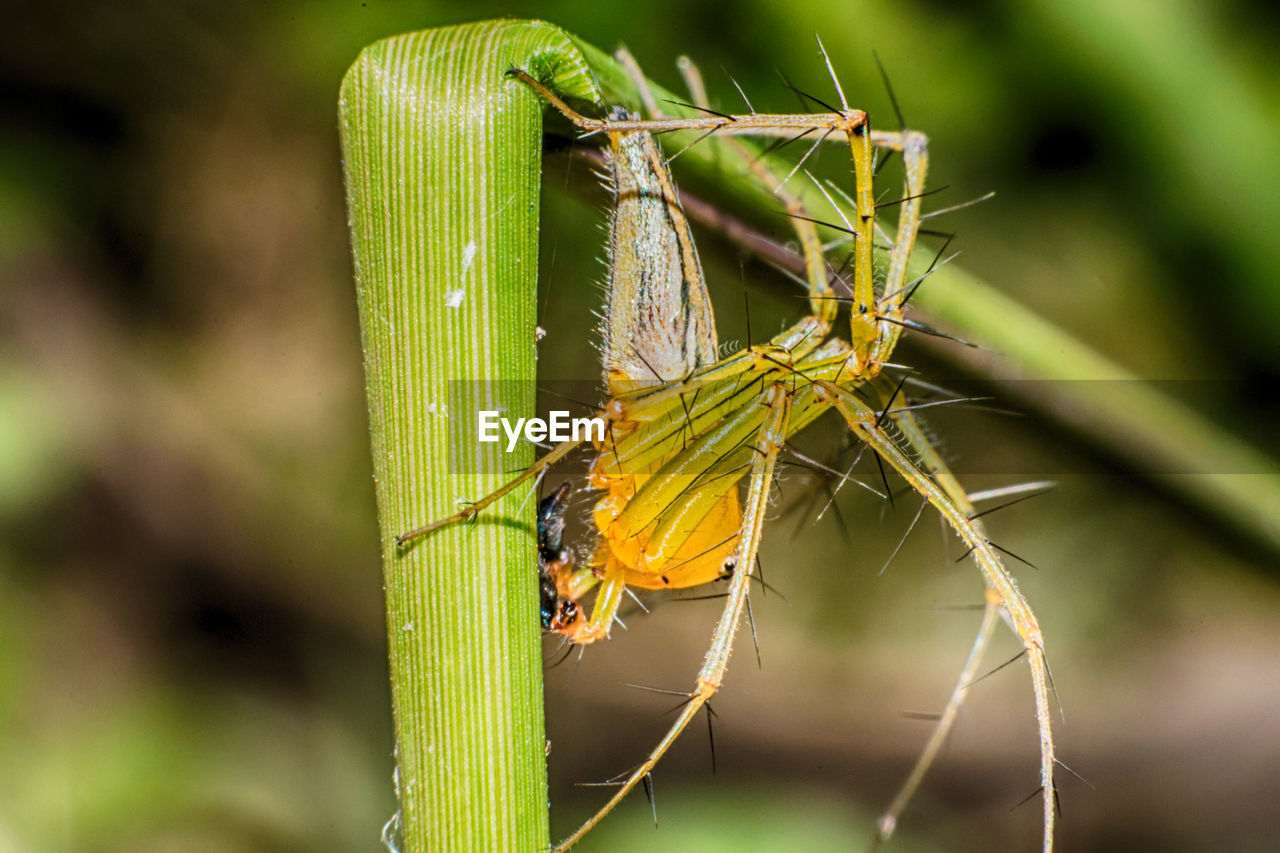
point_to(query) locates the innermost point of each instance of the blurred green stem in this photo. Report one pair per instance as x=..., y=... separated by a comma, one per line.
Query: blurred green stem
x=442, y=157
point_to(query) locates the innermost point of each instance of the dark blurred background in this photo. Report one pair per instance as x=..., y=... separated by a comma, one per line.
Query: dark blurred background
x=191, y=636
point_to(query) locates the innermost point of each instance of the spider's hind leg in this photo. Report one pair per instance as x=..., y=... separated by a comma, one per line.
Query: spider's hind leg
x=929, y=458
x=937, y=485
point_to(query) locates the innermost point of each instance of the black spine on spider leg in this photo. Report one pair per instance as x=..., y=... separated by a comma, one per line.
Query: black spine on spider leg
x=1007, y=504
x=802, y=95
x=888, y=87
x=1019, y=656
x=647, y=781
x=781, y=143
x=884, y=478
x=711, y=735
x=904, y=199
x=914, y=285
x=883, y=161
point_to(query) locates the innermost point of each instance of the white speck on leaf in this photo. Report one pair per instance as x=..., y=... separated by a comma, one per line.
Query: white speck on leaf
x=453, y=298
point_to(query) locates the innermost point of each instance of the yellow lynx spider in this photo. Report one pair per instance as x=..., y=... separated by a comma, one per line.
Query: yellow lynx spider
x=687, y=426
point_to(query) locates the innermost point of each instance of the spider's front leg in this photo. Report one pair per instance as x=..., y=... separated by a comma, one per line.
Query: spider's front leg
x=914, y=147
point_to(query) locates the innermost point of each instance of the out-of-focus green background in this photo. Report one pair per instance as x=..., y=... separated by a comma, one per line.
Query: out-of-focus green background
x=191, y=637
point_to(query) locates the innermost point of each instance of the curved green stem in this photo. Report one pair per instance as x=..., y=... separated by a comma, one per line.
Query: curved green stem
x=442, y=156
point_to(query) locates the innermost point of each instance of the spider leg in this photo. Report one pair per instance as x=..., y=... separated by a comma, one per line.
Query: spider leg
x=608, y=598
x=750, y=124
x=693, y=81
x=914, y=148
x=915, y=157
x=768, y=444
x=549, y=458
x=629, y=65
x=888, y=821
x=932, y=461
x=822, y=303
x=1002, y=589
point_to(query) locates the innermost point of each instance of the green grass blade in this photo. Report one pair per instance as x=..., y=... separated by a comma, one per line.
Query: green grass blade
x=442, y=157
